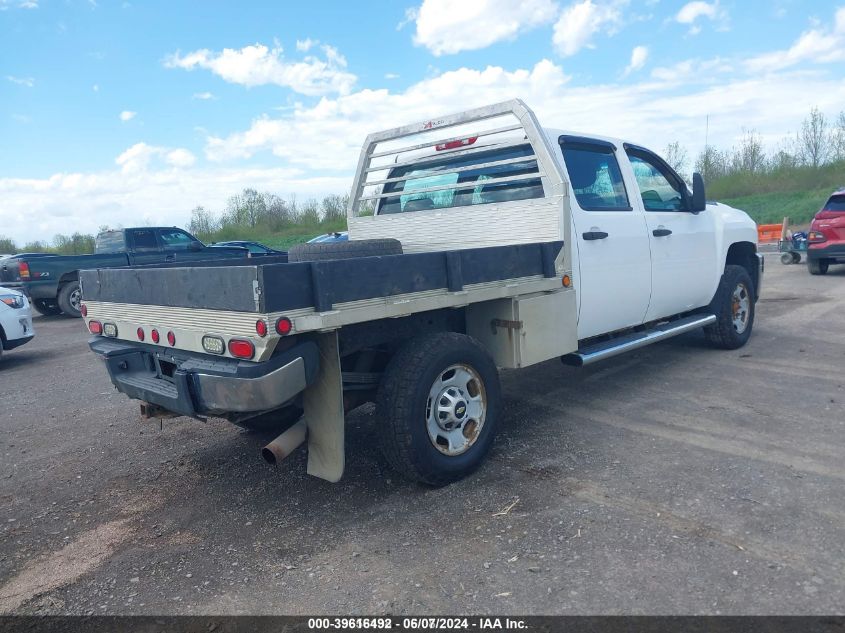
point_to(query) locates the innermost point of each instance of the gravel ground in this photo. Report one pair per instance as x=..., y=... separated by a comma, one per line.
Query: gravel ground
x=677, y=479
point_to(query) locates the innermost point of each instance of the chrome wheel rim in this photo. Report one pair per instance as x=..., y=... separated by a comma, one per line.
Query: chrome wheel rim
x=76, y=299
x=741, y=308
x=456, y=409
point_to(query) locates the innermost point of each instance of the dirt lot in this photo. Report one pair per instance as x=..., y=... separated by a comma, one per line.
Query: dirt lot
x=678, y=479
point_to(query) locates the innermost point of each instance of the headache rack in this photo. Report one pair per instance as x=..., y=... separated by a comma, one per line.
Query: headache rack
x=525, y=163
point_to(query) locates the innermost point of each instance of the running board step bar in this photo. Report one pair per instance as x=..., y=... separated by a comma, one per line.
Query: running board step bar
x=607, y=349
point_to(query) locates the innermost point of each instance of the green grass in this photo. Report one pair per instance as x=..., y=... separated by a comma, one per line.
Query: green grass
x=772, y=208
x=281, y=240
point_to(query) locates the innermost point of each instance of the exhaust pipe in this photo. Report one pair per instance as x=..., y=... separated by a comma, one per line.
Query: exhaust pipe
x=285, y=444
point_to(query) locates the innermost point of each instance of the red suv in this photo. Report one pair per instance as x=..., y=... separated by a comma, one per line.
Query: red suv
x=827, y=235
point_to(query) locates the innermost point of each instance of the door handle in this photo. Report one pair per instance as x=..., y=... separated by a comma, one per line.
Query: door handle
x=170, y=258
x=595, y=235
x=661, y=232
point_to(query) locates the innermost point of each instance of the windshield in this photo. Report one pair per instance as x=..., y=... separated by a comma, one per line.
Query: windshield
x=459, y=184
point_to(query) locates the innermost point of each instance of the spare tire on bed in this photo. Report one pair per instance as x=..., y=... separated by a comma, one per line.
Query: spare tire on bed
x=321, y=251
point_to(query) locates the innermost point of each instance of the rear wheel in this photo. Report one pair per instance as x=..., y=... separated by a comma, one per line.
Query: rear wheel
x=46, y=307
x=786, y=258
x=818, y=266
x=438, y=408
x=733, y=306
x=70, y=299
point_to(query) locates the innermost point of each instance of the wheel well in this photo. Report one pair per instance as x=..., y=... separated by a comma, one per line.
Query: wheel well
x=2, y=336
x=744, y=254
x=68, y=277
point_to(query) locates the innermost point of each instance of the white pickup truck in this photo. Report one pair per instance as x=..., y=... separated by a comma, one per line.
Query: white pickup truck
x=494, y=242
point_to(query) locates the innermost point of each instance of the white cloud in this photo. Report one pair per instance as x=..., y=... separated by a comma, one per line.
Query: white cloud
x=580, y=21
x=449, y=26
x=140, y=156
x=306, y=45
x=639, y=55
x=258, y=65
x=391, y=76
x=18, y=4
x=127, y=115
x=818, y=45
x=704, y=71
x=692, y=11
x=203, y=96
x=29, y=82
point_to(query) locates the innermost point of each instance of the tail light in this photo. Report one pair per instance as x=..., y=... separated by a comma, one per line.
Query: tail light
x=171, y=338
x=213, y=344
x=816, y=237
x=456, y=144
x=83, y=310
x=261, y=328
x=109, y=329
x=284, y=326
x=140, y=333
x=241, y=348
x=155, y=336
x=95, y=327
x=23, y=270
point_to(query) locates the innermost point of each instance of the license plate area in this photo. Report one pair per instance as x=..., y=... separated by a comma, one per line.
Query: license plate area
x=165, y=369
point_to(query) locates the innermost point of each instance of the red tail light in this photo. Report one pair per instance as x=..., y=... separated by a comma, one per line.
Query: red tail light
x=95, y=327
x=171, y=338
x=456, y=144
x=261, y=328
x=23, y=270
x=816, y=237
x=240, y=348
x=284, y=326
x=154, y=334
x=140, y=333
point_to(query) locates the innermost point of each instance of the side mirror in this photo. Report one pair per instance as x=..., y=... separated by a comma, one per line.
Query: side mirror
x=194, y=246
x=698, y=202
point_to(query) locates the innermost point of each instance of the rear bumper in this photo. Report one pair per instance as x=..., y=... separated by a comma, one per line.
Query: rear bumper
x=34, y=290
x=196, y=384
x=17, y=342
x=830, y=251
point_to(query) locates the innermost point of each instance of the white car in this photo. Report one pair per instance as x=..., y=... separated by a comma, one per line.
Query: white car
x=15, y=320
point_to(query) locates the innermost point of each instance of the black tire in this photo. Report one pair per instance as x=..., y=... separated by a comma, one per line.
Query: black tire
x=403, y=400
x=276, y=421
x=343, y=250
x=46, y=307
x=818, y=266
x=69, y=297
x=796, y=257
x=786, y=259
x=724, y=334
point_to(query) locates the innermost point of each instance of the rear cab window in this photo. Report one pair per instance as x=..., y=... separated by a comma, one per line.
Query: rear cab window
x=466, y=179
x=594, y=174
x=110, y=242
x=144, y=240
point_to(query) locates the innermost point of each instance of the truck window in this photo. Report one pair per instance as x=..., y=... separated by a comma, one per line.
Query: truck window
x=595, y=177
x=462, y=188
x=174, y=239
x=144, y=240
x=110, y=242
x=657, y=190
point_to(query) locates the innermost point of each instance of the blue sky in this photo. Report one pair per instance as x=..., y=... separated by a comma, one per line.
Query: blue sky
x=135, y=112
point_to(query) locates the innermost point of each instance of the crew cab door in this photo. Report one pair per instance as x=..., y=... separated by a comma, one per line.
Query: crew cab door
x=143, y=246
x=613, y=282
x=684, y=259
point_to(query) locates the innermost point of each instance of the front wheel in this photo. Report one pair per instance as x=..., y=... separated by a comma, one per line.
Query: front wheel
x=438, y=408
x=733, y=306
x=818, y=266
x=70, y=299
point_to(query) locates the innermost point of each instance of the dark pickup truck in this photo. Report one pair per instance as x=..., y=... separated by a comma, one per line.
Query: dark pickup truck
x=52, y=282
